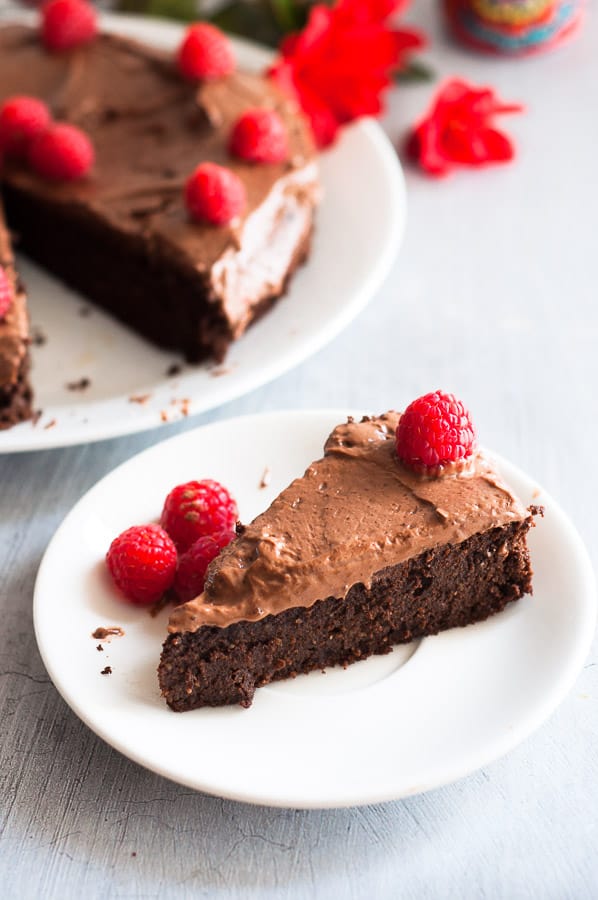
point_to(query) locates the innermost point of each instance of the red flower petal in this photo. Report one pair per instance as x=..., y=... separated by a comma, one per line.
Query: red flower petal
x=458, y=130
x=340, y=65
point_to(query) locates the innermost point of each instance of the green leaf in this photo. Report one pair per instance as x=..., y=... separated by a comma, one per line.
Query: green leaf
x=415, y=71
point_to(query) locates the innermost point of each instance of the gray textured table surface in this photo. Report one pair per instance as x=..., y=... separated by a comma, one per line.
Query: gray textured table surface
x=494, y=297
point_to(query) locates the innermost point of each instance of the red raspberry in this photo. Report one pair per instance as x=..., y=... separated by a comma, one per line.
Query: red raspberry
x=259, y=136
x=434, y=430
x=214, y=194
x=5, y=294
x=205, y=53
x=67, y=24
x=61, y=153
x=21, y=120
x=195, y=509
x=142, y=561
x=191, y=573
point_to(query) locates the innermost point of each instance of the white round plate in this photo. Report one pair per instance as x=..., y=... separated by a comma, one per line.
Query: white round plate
x=426, y=714
x=358, y=233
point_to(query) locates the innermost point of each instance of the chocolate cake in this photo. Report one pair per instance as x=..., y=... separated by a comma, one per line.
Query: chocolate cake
x=15, y=390
x=122, y=235
x=359, y=554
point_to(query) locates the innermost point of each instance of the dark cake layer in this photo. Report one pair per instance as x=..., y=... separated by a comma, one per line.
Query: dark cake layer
x=167, y=302
x=448, y=586
x=16, y=398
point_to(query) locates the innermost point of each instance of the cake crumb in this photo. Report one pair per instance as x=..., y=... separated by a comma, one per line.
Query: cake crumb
x=99, y=647
x=50, y=424
x=36, y=417
x=81, y=385
x=182, y=403
x=265, y=479
x=163, y=415
x=104, y=634
x=159, y=605
x=38, y=338
x=221, y=370
x=174, y=370
x=107, y=670
x=139, y=398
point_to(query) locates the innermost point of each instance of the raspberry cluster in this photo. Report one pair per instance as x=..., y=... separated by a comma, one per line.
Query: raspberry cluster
x=197, y=522
x=55, y=151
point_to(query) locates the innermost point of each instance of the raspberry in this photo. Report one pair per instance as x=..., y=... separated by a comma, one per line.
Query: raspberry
x=142, y=561
x=214, y=194
x=259, y=135
x=195, y=509
x=205, y=53
x=61, y=153
x=191, y=573
x=434, y=430
x=5, y=294
x=67, y=24
x=21, y=120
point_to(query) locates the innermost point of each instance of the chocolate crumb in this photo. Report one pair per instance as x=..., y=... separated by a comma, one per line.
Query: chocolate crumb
x=133, y=853
x=159, y=605
x=36, y=417
x=239, y=528
x=99, y=647
x=38, y=338
x=173, y=370
x=265, y=479
x=102, y=634
x=81, y=385
x=107, y=670
x=139, y=398
x=50, y=424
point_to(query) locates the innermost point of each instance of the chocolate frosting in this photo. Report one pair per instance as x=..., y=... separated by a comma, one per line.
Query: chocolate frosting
x=14, y=326
x=150, y=128
x=353, y=513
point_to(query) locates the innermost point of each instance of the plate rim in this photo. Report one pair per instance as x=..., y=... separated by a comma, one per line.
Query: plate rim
x=471, y=762
x=223, y=391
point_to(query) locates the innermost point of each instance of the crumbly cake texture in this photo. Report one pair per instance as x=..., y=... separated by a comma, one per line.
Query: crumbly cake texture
x=394, y=557
x=15, y=389
x=122, y=235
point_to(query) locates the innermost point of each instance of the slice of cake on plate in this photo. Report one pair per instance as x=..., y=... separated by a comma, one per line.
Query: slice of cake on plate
x=15, y=390
x=403, y=529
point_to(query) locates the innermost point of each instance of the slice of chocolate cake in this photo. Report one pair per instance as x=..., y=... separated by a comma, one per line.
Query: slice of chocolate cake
x=122, y=235
x=15, y=390
x=359, y=554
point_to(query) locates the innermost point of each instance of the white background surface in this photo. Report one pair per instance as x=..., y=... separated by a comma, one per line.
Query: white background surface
x=494, y=296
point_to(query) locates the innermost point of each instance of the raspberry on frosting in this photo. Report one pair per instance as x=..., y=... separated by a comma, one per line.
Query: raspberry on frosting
x=67, y=24
x=142, y=561
x=259, y=135
x=205, y=53
x=198, y=508
x=193, y=564
x=5, y=294
x=61, y=153
x=435, y=430
x=214, y=194
x=22, y=119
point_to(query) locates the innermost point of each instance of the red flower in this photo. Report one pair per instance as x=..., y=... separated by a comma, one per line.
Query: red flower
x=339, y=66
x=458, y=130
